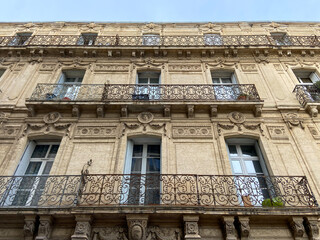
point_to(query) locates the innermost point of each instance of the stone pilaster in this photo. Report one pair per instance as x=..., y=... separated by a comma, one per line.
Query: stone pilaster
x=229, y=228
x=45, y=228
x=297, y=229
x=137, y=226
x=191, y=228
x=312, y=227
x=29, y=226
x=83, y=228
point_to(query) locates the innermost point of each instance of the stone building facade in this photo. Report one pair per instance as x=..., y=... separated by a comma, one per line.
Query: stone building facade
x=171, y=131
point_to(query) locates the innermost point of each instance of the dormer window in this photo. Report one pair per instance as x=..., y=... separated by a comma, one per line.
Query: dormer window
x=306, y=76
x=87, y=39
x=20, y=39
x=281, y=39
x=213, y=39
x=151, y=39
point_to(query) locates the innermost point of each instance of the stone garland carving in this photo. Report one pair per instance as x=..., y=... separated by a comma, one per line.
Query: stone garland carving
x=249, y=68
x=47, y=67
x=277, y=133
x=296, y=225
x=185, y=67
x=222, y=62
x=95, y=131
x=111, y=68
x=50, y=123
x=237, y=119
x=148, y=62
x=293, y=120
x=191, y=132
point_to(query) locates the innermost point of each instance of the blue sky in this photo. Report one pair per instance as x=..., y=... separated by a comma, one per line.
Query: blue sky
x=159, y=11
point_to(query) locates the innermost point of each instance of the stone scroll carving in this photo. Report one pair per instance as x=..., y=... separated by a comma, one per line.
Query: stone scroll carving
x=297, y=228
x=293, y=120
x=229, y=228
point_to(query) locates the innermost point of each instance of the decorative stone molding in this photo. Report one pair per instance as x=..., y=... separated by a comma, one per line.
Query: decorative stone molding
x=221, y=63
x=83, y=228
x=159, y=233
x=3, y=118
x=296, y=225
x=191, y=131
x=185, y=68
x=244, y=227
x=210, y=28
x=238, y=120
x=111, y=67
x=47, y=67
x=110, y=233
x=135, y=126
x=314, y=132
x=293, y=120
x=9, y=131
x=229, y=228
x=100, y=111
x=145, y=117
x=75, y=111
x=148, y=62
x=51, y=117
x=213, y=110
x=18, y=67
x=312, y=227
x=137, y=226
x=29, y=227
x=312, y=110
x=248, y=67
x=167, y=111
x=277, y=132
x=45, y=228
x=96, y=131
x=151, y=28
x=190, y=111
x=278, y=67
x=191, y=228
x=124, y=111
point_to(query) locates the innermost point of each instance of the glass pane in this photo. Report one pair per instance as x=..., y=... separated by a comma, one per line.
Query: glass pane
x=40, y=151
x=253, y=167
x=143, y=80
x=136, y=165
x=154, y=80
x=233, y=150
x=236, y=167
x=53, y=151
x=153, y=165
x=33, y=168
x=153, y=150
x=47, y=168
x=226, y=80
x=216, y=80
x=137, y=151
x=248, y=150
x=306, y=80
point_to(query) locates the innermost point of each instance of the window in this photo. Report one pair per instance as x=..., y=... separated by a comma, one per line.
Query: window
x=147, y=86
x=213, y=39
x=224, y=87
x=246, y=159
x=306, y=76
x=281, y=39
x=151, y=39
x=87, y=39
x=20, y=39
x=143, y=163
x=68, y=86
x=35, y=167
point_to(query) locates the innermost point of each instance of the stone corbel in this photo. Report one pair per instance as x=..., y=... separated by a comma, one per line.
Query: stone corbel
x=29, y=227
x=313, y=111
x=100, y=111
x=214, y=110
x=137, y=226
x=45, y=228
x=258, y=110
x=83, y=228
x=229, y=228
x=167, y=111
x=124, y=111
x=190, y=111
x=312, y=227
x=31, y=111
x=244, y=227
x=76, y=111
x=191, y=228
x=296, y=226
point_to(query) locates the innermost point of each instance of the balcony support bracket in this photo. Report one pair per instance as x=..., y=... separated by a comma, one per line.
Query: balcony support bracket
x=190, y=111
x=214, y=110
x=191, y=227
x=83, y=228
x=311, y=227
x=45, y=228
x=229, y=228
x=258, y=110
x=100, y=111
x=29, y=227
x=313, y=111
x=124, y=111
x=137, y=226
x=296, y=226
x=76, y=111
x=167, y=111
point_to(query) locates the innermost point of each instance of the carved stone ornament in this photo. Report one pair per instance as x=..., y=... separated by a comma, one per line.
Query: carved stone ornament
x=110, y=233
x=191, y=227
x=137, y=226
x=135, y=126
x=145, y=117
x=236, y=117
x=243, y=226
x=148, y=62
x=191, y=131
x=51, y=117
x=278, y=132
x=238, y=120
x=29, y=227
x=293, y=120
x=111, y=67
x=229, y=228
x=3, y=117
x=158, y=233
x=83, y=228
x=45, y=228
x=95, y=131
x=210, y=28
x=249, y=67
x=184, y=68
x=297, y=228
x=312, y=227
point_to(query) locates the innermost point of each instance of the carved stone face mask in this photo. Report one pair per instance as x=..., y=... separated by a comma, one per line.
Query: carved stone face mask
x=136, y=233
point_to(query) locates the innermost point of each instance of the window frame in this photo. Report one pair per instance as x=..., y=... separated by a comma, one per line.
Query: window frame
x=312, y=75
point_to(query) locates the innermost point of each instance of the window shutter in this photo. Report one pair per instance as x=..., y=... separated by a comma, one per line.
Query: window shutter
x=128, y=161
x=233, y=78
x=62, y=78
x=314, y=77
x=21, y=169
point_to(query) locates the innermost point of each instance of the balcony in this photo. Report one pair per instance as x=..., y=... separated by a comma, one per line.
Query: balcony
x=156, y=96
x=165, y=41
x=309, y=97
x=155, y=190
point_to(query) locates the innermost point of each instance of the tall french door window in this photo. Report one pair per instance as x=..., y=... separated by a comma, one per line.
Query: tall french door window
x=34, y=169
x=247, y=162
x=224, y=87
x=144, y=164
x=147, y=86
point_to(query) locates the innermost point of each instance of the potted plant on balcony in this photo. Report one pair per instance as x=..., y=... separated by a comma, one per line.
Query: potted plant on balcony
x=50, y=96
x=242, y=96
x=66, y=98
x=274, y=202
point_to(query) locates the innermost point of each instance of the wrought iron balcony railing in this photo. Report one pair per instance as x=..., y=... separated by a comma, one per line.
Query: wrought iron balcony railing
x=154, y=40
x=307, y=93
x=155, y=189
x=134, y=92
